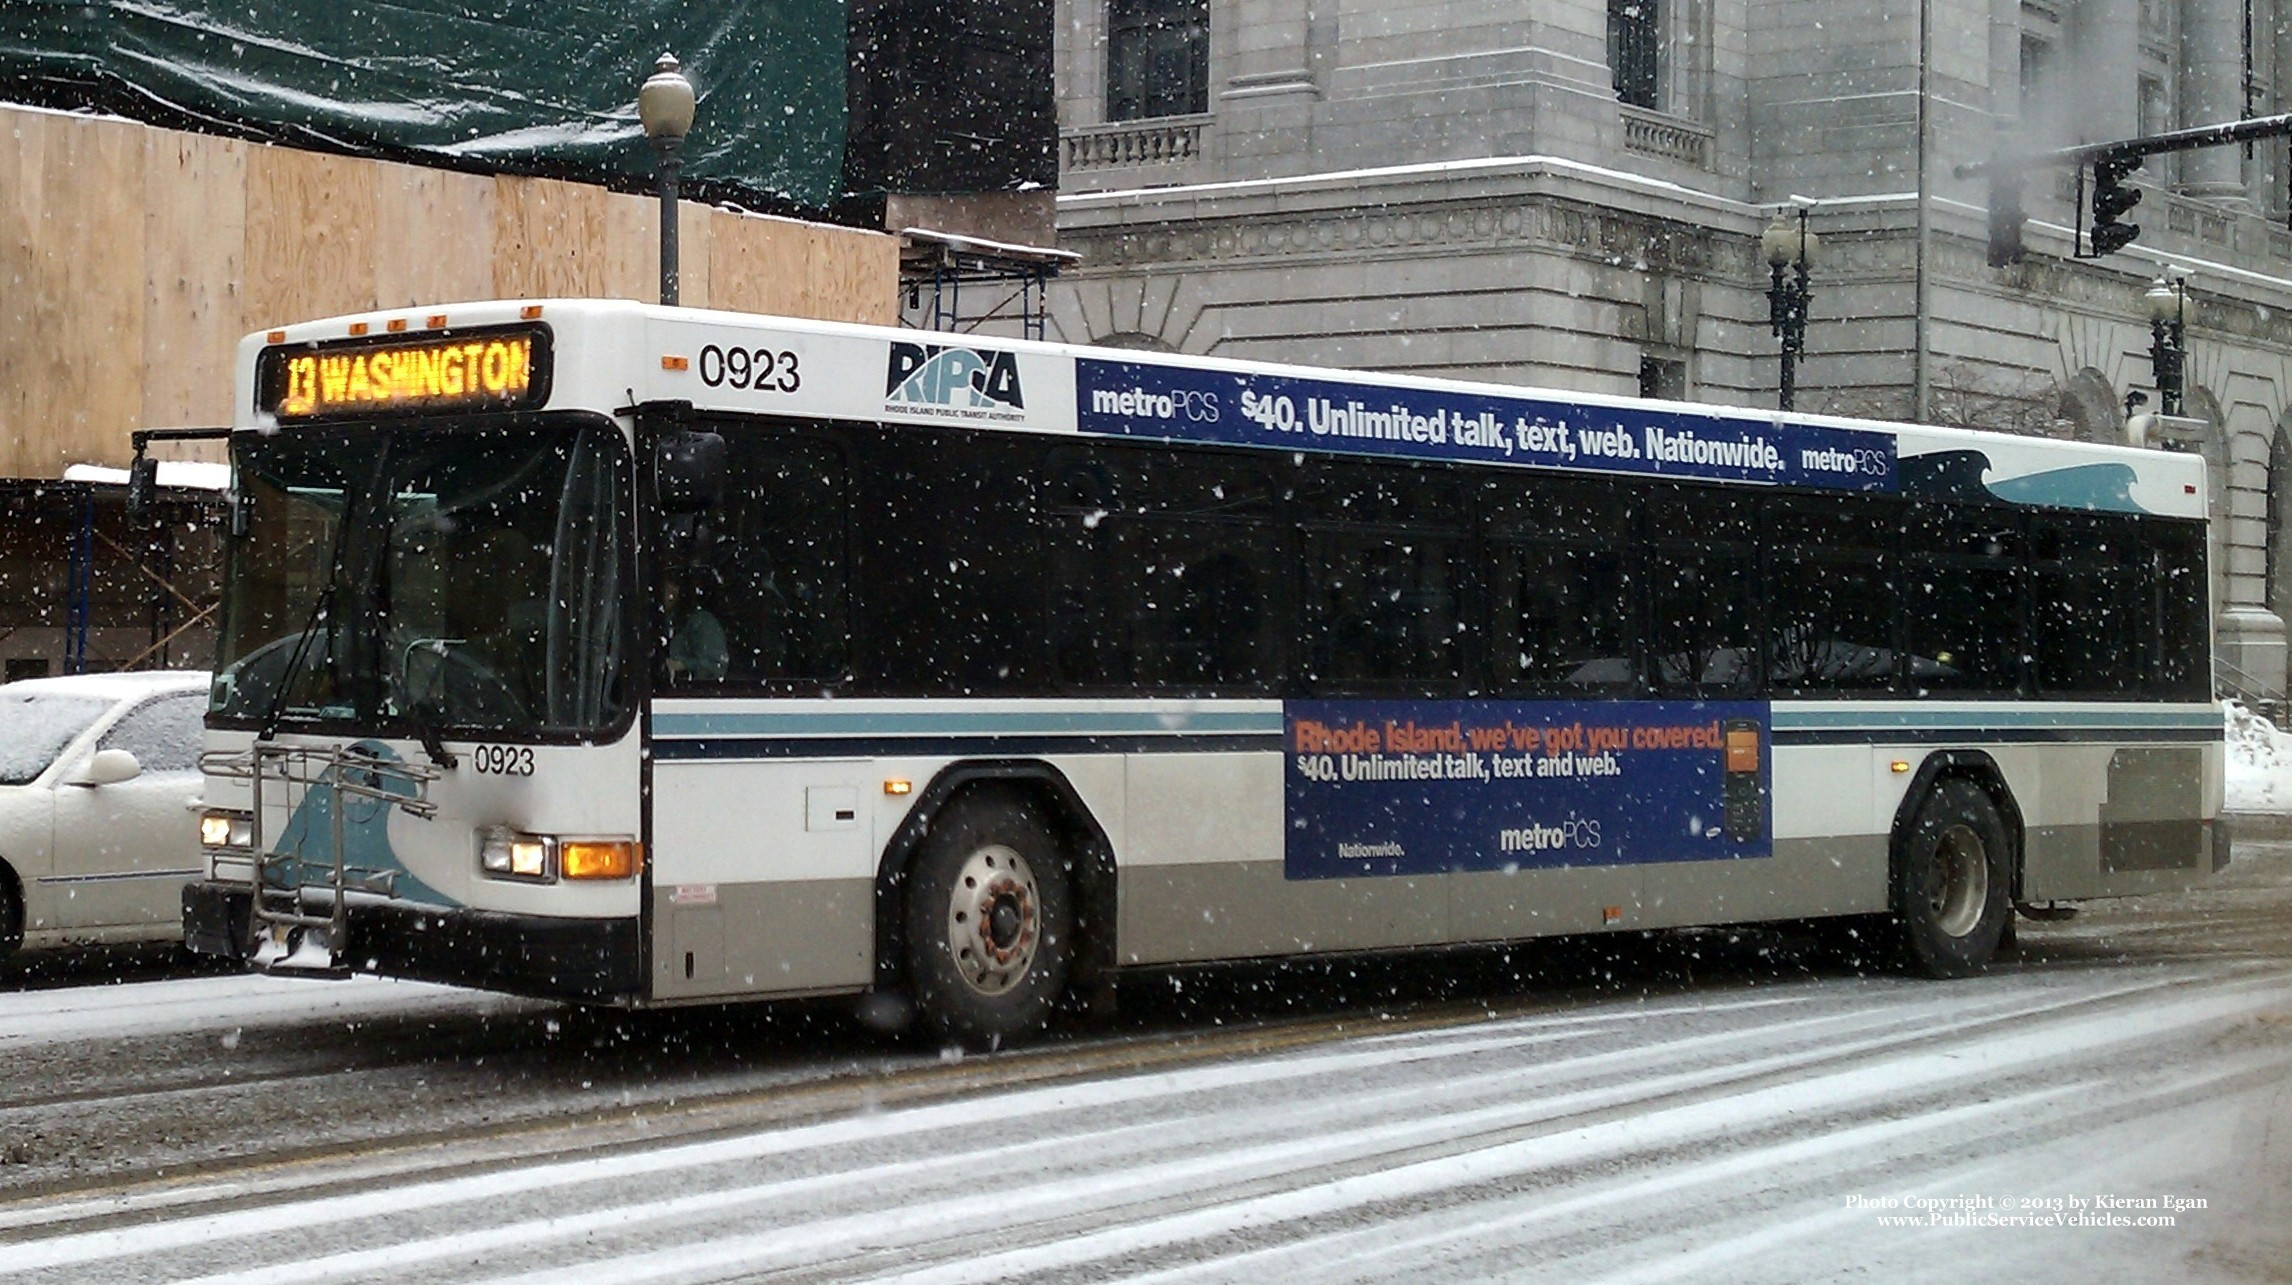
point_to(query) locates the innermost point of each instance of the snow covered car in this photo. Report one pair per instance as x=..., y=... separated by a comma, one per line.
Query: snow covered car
x=97, y=839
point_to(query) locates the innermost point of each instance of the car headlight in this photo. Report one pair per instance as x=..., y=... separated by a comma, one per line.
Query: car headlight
x=222, y=829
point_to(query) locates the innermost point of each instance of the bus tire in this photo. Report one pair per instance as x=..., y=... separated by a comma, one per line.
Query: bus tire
x=1953, y=882
x=989, y=918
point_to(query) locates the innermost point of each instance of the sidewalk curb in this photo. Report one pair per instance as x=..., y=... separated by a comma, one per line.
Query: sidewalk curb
x=2258, y=825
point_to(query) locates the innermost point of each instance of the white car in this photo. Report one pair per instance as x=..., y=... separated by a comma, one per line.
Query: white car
x=97, y=776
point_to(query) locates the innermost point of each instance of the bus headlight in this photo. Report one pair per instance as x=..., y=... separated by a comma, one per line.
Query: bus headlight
x=507, y=854
x=220, y=829
x=504, y=853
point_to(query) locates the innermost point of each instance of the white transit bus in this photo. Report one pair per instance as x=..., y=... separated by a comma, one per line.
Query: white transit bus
x=636, y=655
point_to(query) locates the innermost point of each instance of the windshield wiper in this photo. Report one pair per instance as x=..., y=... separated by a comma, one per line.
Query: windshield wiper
x=417, y=715
x=321, y=608
x=426, y=731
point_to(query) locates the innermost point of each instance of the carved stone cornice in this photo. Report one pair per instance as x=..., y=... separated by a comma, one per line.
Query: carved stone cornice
x=1580, y=230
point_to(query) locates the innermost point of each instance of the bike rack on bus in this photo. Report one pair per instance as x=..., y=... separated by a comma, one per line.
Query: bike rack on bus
x=280, y=908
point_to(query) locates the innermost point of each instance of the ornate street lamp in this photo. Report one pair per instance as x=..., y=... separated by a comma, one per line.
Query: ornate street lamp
x=2167, y=305
x=665, y=105
x=1788, y=243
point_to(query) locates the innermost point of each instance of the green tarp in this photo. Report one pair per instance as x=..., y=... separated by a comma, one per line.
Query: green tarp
x=517, y=86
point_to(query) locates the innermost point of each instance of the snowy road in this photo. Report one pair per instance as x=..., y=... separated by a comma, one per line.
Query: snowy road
x=2116, y=1104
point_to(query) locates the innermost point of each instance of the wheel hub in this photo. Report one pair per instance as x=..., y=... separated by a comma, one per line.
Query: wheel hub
x=994, y=919
x=1961, y=887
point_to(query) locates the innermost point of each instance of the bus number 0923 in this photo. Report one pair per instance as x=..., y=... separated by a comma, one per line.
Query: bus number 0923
x=504, y=760
x=759, y=368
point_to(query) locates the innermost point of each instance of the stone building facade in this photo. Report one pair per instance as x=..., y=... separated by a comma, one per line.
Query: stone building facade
x=1570, y=193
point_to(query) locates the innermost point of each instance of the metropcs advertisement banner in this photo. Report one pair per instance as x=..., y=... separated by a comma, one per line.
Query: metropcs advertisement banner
x=1175, y=403
x=1432, y=787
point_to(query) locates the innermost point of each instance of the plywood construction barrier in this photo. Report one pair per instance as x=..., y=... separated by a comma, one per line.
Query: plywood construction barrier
x=132, y=259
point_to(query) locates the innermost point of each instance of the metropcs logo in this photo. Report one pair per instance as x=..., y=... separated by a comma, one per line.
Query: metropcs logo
x=937, y=378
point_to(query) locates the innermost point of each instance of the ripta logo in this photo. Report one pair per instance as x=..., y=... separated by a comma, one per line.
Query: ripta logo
x=935, y=375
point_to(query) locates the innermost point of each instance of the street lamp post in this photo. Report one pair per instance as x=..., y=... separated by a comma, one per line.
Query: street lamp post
x=2167, y=304
x=665, y=105
x=1788, y=243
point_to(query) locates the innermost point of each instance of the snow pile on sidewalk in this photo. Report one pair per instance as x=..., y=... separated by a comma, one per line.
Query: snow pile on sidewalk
x=2259, y=763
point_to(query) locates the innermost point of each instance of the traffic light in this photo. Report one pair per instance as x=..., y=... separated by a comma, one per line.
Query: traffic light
x=2111, y=199
x=2006, y=218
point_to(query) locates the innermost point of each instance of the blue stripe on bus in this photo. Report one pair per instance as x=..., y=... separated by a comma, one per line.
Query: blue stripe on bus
x=880, y=745
x=1998, y=736
x=1984, y=721
x=709, y=747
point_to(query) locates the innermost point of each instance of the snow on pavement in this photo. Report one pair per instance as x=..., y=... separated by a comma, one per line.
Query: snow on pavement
x=214, y=1004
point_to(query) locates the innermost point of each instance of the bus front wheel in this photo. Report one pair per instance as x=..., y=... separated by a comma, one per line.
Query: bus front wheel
x=989, y=922
x=1953, y=881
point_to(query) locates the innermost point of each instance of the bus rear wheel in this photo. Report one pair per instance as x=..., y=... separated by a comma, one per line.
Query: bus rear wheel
x=1953, y=882
x=989, y=922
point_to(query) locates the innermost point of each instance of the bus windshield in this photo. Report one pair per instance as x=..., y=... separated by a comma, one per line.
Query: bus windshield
x=451, y=576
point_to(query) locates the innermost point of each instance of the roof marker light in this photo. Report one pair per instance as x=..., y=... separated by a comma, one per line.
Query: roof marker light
x=530, y=312
x=396, y=325
x=359, y=327
x=437, y=321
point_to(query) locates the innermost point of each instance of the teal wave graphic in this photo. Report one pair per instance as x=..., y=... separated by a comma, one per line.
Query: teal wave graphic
x=2085, y=486
x=309, y=833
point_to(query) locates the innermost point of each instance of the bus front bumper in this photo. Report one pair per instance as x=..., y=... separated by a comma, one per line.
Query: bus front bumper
x=590, y=960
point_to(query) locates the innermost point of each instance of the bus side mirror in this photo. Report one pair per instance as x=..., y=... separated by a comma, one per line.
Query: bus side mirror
x=688, y=471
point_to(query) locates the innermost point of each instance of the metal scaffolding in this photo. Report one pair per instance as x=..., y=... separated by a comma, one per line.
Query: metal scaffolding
x=1012, y=281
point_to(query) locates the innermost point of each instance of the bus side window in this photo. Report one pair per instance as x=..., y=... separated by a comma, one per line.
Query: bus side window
x=1562, y=618
x=1162, y=572
x=2092, y=616
x=2176, y=582
x=1383, y=586
x=1559, y=587
x=1701, y=602
x=768, y=567
x=1962, y=591
x=1832, y=585
x=953, y=598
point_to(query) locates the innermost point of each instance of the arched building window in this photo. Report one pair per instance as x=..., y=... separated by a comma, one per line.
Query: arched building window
x=2279, y=582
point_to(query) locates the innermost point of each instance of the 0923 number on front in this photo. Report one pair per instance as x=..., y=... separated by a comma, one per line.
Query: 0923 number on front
x=761, y=369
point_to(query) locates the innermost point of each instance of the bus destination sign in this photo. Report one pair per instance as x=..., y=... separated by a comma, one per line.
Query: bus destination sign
x=495, y=369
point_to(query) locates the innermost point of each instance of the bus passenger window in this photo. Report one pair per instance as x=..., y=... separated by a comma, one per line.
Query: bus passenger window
x=1699, y=623
x=2091, y=616
x=1561, y=620
x=757, y=594
x=1830, y=623
x=2176, y=581
x=1381, y=611
x=1965, y=626
x=1161, y=604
